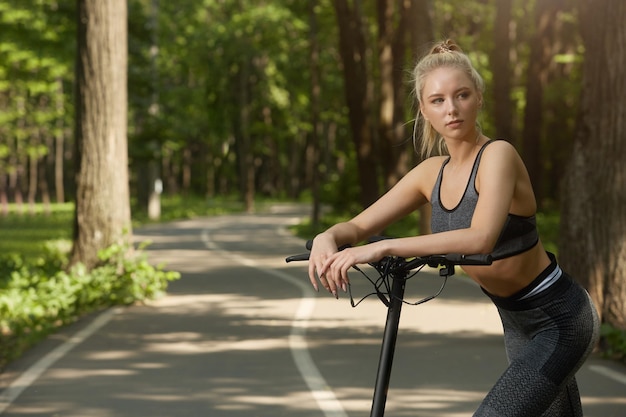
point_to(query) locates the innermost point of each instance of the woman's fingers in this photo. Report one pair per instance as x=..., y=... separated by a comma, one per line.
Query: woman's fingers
x=335, y=272
x=331, y=271
x=312, y=276
x=326, y=278
x=317, y=273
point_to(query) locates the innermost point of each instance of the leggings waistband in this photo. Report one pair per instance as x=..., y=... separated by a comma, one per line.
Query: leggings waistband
x=549, y=282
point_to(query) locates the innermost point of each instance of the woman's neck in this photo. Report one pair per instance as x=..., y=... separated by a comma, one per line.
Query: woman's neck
x=462, y=151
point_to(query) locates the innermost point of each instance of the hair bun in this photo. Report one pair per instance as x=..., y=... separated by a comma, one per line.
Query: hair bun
x=445, y=47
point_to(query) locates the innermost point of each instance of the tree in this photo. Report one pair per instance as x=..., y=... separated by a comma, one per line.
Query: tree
x=354, y=51
x=541, y=53
x=593, y=218
x=401, y=26
x=316, y=125
x=185, y=107
x=35, y=68
x=102, y=216
x=503, y=110
x=421, y=35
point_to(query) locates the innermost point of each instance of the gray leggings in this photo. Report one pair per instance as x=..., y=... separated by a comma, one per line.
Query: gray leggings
x=548, y=337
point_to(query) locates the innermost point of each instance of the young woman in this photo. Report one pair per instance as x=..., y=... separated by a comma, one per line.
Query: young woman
x=482, y=202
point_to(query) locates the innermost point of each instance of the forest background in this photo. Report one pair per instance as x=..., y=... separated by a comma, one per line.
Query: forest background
x=312, y=100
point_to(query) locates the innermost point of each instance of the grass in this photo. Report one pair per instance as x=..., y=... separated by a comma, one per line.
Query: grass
x=186, y=207
x=29, y=233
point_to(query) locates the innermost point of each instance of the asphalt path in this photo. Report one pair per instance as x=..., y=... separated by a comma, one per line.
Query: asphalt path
x=243, y=334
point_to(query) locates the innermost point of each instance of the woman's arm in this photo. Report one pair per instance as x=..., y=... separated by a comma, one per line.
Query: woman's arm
x=497, y=180
x=411, y=192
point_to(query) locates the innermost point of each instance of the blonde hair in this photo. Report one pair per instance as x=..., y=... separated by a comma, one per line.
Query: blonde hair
x=443, y=54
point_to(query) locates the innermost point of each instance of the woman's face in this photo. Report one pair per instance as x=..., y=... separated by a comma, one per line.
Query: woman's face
x=450, y=102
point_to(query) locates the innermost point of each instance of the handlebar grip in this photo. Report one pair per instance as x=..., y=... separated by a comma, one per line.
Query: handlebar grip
x=309, y=245
x=301, y=257
x=305, y=256
x=377, y=238
x=460, y=259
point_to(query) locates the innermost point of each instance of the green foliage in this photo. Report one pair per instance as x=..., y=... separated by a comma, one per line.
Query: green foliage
x=177, y=207
x=36, y=298
x=223, y=70
x=548, y=223
x=614, y=342
x=32, y=235
x=339, y=190
x=37, y=292
x=135, y=278
x=198, y=68
x=307, y=230
x=202, y=73
x=36, y=74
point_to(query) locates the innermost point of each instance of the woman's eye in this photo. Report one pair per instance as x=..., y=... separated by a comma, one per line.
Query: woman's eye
x=437, y=101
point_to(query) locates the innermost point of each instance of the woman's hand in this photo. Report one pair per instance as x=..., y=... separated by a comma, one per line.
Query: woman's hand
x=323, y=248
x=332, y=268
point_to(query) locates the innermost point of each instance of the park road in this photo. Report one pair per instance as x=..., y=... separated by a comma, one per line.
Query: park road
x=242, y=334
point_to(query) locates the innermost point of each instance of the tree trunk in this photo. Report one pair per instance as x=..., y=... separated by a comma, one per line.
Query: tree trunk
x=59, y=146
x=540, y=55
x=421, y=34
x=357, y=85
x=386, y=93
x=394, y=21
x=503, y=106
x=33, y=176
x=4, y=199
x=316, y=132
x=245, y=156
x=46, y=169
x=155, y=183
x=17, y=181
x=593, y=217
x=102, y=193
x=557, y=145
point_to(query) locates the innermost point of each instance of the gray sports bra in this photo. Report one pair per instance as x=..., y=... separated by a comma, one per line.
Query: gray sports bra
x=518, y=235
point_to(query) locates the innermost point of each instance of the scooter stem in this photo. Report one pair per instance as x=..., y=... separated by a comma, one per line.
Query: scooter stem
x=388, y=347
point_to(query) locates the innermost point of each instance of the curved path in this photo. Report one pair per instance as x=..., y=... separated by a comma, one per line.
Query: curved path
x=243, y=334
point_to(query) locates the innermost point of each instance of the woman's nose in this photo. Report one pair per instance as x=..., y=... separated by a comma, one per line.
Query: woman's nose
x=452, y=108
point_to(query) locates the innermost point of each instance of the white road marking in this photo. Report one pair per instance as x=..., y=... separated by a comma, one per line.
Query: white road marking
x=27, y=378
x=325, y=398
x=609, y=373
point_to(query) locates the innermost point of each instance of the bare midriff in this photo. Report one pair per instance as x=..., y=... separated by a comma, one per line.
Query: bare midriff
x=506, y=277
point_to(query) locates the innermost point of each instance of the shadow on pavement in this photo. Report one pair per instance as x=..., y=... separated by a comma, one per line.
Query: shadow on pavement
x=218, y=344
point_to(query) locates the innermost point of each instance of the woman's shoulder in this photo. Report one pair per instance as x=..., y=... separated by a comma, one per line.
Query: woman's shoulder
x=427, y=170
x=502, y=150
x=501, y=157
x=433, y=162
x=500, y=145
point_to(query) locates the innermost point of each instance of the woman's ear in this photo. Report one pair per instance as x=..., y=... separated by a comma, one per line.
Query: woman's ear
x=422, y=112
